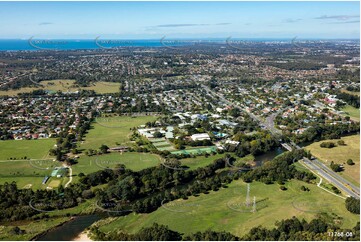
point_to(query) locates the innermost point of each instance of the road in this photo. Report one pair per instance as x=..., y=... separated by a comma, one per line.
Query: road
x=70, y=176
x=325, y=172
x=314, y=165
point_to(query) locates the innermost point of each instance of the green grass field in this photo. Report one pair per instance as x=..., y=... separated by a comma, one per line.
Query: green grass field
x=110, y=131
x=228, y=214
x=66, y=86
x=354, y=113
x=26, y=173
x=29, y=174
x=193, y=150
x=32, y=228
x=349, y=92
x=200, y=161
x=32, y=149
x=340, y=155
x=132, y=160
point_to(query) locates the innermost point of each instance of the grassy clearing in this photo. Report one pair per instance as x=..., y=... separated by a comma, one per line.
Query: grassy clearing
x=340, y=155
x=199, y=150
x=112, y=131
x=66, y=86
x=29, y=174
x=201, y=161
x=132, y=160
x=32, y=149
x=353, y=112
x=32, y=228
x=228, y=214
x=352, y=93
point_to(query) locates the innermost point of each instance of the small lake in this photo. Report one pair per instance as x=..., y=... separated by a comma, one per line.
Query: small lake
x=71, y=229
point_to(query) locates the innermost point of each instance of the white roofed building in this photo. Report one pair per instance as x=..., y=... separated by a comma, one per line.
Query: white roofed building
x=203, y=136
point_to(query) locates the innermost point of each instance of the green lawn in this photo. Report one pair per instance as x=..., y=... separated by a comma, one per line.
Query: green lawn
x=354, y=113
x=222, y=210
x=32, y=149
x=340, y=155
x=132, y=160
x=200, y=161
x=110, y=131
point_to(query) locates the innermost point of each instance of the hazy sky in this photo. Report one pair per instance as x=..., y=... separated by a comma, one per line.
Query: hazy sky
x=179, y=19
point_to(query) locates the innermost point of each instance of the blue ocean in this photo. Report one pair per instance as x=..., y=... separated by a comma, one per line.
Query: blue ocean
x=83, y=44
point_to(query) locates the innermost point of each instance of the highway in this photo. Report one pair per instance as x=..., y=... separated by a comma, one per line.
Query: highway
x=325, y=172
x=315, y=165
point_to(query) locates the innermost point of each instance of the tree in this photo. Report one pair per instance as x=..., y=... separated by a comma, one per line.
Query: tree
x=157, y=134
x=104, y=149
x=350, y=162
x=341, y=142
x=336, y=167
x=353, y=205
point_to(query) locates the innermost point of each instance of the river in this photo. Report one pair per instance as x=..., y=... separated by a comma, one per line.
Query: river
x=260, y=159
x=73, y=228
x=70, y=230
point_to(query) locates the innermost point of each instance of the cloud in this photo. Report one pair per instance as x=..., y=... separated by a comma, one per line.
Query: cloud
x=338, y=17
x=291, y=20
x=45, y=23
x=346, y=22
x=186, y=25
x=223, y=24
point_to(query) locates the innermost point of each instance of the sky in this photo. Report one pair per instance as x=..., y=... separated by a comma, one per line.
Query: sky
x=151, y=20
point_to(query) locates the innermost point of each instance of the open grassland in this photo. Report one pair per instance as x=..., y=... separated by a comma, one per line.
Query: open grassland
x=30, y=173
x=66, y=86
x=340, y=155
x=352, y=93
x=199, y=150
x=353, y=112
x=201, y=161
x=112, y=131
x=32, y=228
x=32, y=149
x=132, y=160
x=224, y=209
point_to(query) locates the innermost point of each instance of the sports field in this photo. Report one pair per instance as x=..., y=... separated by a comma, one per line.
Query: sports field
x=112, y=130
x=340, y=155
x=230, y=214
x=196, y=150
x=354, y=113
x=66, y=86
x=29, y=174
x=162, y=144
x=32, y=149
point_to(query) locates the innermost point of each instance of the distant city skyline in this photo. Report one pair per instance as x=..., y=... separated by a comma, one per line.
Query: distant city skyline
x=152, y=20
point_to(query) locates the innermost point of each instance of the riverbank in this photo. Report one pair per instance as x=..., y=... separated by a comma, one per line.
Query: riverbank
x=83, y=236
x=36, y=237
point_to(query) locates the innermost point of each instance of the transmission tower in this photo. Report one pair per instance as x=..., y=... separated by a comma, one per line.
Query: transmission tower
x=254, y=205
x=248, y=202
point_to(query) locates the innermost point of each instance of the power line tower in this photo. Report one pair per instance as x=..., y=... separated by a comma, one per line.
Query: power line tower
x=248, y=202
x=254, y=205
